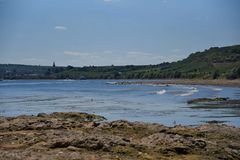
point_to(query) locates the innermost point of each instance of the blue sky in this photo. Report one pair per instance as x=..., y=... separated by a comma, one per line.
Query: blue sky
x=119, y=32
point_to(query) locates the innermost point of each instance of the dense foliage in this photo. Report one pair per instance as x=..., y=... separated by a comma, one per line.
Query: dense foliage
x=213, y=63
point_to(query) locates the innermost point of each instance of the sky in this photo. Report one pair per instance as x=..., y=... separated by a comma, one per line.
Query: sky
x=118, y=32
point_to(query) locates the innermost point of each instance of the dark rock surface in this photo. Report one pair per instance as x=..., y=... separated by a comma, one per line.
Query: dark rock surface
x=87, y=137
x=215, y=101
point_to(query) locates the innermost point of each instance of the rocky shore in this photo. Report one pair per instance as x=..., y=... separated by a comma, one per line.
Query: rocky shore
x=89, y=137
x=215, y=101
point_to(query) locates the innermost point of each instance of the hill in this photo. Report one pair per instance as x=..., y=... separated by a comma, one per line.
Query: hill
x=214, y=63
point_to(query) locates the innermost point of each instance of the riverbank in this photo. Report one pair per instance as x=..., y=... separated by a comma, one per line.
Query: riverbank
x=218, y=82
x=86, y=136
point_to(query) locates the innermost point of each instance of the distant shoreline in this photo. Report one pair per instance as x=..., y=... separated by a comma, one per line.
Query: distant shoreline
x=218, y=82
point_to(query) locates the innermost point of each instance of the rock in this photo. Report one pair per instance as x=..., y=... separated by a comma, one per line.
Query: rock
x=206, y=100
x=214, y=101
x=170, y=141
x=82, y=136
x=90, y=142
x=199, y=143
x=42, y=115
x=180, y=150
x=215, y=122
x=62, y=143
x=120, y=123
x=72, y=148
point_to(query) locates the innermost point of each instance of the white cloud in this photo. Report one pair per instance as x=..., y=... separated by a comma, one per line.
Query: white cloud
x=107, y=0
x=140, y=57
x=138, y=53
x=88, y=56
x=108, y=57
x=107, y=52
x=157, y=57
x=60, y=28
x=174, y=57
x=31, y=60
x=176, y=50
x=70, y=53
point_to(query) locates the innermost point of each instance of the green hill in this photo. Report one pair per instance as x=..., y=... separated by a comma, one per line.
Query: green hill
x=213, y=63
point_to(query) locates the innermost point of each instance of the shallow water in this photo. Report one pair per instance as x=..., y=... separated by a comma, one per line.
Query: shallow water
x=148, y=103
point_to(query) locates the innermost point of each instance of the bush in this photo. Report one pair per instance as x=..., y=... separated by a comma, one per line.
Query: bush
x=233, y=74
x=215, y=74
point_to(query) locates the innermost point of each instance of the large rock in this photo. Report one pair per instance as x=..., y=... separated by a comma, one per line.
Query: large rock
x=86, y=136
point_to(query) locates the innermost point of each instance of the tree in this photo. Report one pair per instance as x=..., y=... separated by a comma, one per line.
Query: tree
x=177, y=74
x=69, y=67
x=215, y=74
x=48, y=72
x=238, y=72
x=233, y=74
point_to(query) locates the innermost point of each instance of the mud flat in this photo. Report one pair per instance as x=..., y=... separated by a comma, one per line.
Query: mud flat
x=89, y=137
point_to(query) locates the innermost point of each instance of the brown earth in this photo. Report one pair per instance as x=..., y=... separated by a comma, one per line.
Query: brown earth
x=84, y=136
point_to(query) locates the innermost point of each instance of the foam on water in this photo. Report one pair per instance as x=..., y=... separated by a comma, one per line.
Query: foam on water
x=190, y=92
x=161, y=92
x=217, y=89
x=111, y=83
x=66, y=80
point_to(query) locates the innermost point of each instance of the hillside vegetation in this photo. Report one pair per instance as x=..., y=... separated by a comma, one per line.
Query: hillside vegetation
x=213, y=63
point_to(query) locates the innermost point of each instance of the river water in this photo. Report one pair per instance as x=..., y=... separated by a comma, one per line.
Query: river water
x=149, y=103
